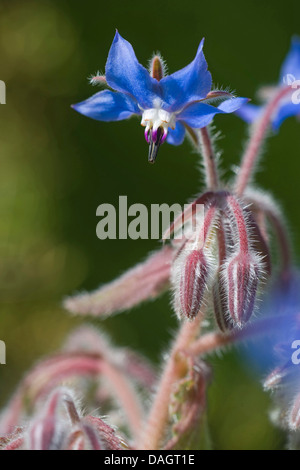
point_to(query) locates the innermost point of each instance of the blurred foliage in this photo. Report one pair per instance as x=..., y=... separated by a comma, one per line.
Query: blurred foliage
x=58, y=166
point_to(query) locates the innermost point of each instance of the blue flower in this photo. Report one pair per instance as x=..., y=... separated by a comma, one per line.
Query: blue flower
x=166, y=104
x=290, y=104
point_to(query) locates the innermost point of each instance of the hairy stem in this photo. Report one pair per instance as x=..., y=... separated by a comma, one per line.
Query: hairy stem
x=253, y=149
x=49, y=373
x=268, y=207
x=283, y=243
x=210, y=164
x=159, y=413
x=237, y=211
x=126, y=395
x=201, y=139
x=215, y=340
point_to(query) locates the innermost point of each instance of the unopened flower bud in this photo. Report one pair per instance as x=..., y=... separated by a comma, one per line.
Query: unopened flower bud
x=45, y=434
x=241, y=275
x=220, y=303
x=157, y=68
x=191, y=277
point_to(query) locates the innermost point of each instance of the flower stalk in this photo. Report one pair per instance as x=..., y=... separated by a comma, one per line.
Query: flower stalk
x=253, y=149
x=157, y=420
x=209, y=159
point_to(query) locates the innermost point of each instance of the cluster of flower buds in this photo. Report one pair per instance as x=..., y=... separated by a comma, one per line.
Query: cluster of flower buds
x=111, y=379
x=58, y=425
x=219, y=264
x=221, y=261
x=44, y=414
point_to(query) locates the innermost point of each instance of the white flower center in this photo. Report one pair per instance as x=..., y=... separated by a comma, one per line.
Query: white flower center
x=156, y=117
x=157, y=122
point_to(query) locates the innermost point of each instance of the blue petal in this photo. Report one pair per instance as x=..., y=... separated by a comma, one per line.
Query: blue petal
x=232, y=105
x=176, y=136
x=191, y=83
x=108, y=106
x=199, y=115
x=249, y=112
x=284, y=112
x=124, y=73
x=291, y=64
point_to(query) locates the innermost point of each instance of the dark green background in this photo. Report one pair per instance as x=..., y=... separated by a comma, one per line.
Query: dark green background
x=58, y=166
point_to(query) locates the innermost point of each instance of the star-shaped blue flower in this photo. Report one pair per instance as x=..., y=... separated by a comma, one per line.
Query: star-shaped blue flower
x=290, y=104
x=166, y=104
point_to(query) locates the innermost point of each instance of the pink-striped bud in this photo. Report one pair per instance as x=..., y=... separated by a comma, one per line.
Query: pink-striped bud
x=220, y=303
x=241, y=276
x=191, y=271
x=45, y=434
x=47, y=431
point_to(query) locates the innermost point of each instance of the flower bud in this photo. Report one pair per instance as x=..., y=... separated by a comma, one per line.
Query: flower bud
x=193, y=270
x=45, y=434
x=157, y=68
x=220, y=303
x=241, y=276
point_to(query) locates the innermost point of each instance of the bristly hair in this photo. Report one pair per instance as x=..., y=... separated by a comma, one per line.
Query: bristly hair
x=97, y=79
x=163, y=63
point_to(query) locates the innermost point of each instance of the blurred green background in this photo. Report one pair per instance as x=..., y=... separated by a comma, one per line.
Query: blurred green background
x=58, y=166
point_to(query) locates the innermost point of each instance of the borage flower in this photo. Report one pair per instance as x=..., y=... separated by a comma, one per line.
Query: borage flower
x=168, y=105
x=289, y=103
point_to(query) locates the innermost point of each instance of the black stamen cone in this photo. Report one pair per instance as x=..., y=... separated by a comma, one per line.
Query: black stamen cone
x=154, y=146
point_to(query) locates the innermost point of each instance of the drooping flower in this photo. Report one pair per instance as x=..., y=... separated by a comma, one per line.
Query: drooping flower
x=290, y=102
x=166, y=104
